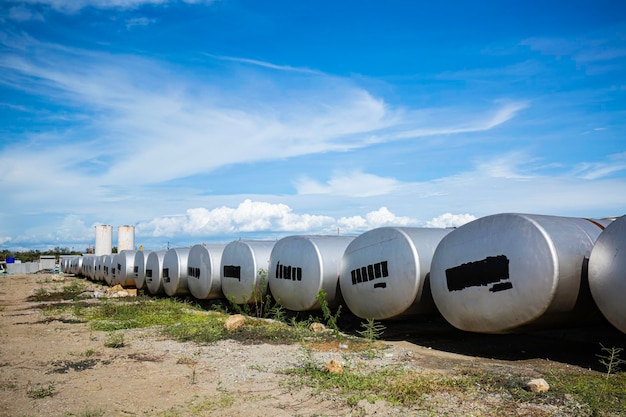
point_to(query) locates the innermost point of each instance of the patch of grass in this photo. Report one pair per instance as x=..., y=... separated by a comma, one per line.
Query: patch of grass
x=89, y=352
x=115, y=340
x=68, y=292
x=41, y=392
x=89, y=413
x=7, y=386
x=605, y=397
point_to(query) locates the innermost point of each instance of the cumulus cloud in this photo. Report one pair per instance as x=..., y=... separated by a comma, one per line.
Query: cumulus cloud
x=258, y=216
x=450, y=220
x=379, y=218
x=248, y=216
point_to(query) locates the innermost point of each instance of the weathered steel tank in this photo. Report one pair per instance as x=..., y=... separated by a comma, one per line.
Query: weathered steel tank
x=607, y=273
x=76, y=265
x=87, y=266
x=139, y=271
x=510, y=272
x=175, y=272
x=385, y=272
x=154, y=272
x=203, y=271
x=104, y=240
x=125, y=238
x=245, y=264
x=125, y=268
x=302, y=266
x=99, y=267
x=109, y=269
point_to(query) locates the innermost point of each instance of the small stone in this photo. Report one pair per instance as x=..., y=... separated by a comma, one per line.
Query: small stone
x=334, y=367
x=538, y=385
x=343, y=346
x=317, y=328
x=234, y=322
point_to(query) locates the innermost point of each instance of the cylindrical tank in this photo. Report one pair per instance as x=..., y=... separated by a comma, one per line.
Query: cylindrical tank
x=125, y=238
x=139, y=275
x=99, y=267
x=124, y=272
x=385, y=272
x=104, y=240
x=302, y=266
x=607, y=273
x=77, y=265
x=110, y=263
x=203, y=271
x=244, y=268
x=154, y=272
x=175, y=272
x=88, y=266
x=509, y=272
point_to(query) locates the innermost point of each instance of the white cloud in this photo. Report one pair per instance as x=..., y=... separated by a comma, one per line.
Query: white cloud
x=353, y=184
x=74, y=6
x=450, y=220
x=373, y=219
x=139, y=21
x=23, y=14
x=596, y=170
x=258, y=216
x=248, y=216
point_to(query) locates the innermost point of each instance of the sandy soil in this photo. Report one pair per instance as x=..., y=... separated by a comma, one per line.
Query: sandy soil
x=41, y=354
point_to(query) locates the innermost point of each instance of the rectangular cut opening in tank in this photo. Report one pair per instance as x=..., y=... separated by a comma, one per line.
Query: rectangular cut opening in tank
x=293, y=273
x=369, y=272
x=484, y=272
x=232, y=271
x=193, y=272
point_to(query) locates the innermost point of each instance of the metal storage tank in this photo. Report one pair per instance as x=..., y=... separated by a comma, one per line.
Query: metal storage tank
x=125, y=238
x=175, y=272
x=88, y=266
x=607, y=273
x=302, y=266
x=154, y=272
x=76, y=265
x=244, y=268
x=125, y=268
x=110, y=263
x=509, y=272
x=100, y=267
x=385, y=272
x=203, y=271
x=104, y=240
x=141, y=259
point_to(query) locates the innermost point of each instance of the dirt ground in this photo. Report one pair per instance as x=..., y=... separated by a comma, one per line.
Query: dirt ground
x=52, y=366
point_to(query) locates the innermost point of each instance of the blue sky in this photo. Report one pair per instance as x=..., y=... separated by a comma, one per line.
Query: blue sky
x=209, y=121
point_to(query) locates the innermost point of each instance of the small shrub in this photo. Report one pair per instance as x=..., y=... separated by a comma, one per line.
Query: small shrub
x=611, y=360
x=41, y=392
x=115, y=340
x=371, y=330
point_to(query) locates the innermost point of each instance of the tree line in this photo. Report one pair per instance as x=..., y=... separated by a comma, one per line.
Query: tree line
x=34, y=255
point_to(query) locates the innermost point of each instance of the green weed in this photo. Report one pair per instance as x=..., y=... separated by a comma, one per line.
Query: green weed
x=41, y=392
x=115, y=340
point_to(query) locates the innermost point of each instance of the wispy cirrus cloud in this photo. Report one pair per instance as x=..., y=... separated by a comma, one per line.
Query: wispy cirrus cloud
x=74, y=6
